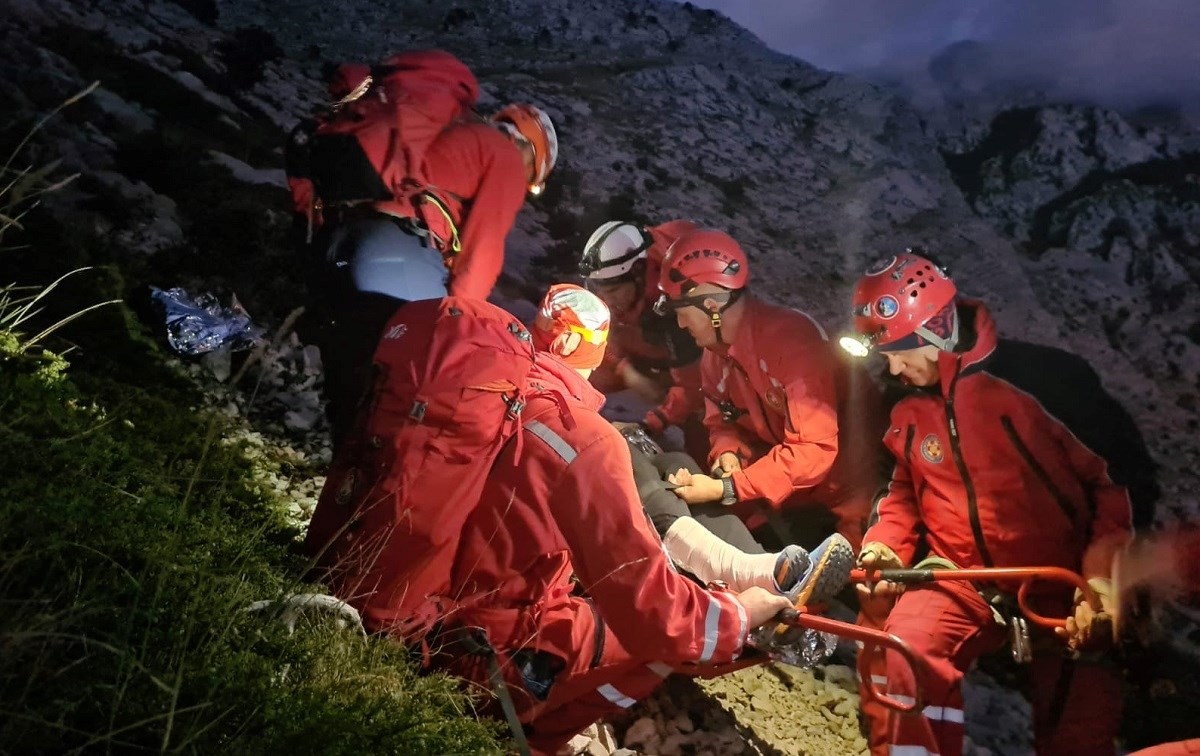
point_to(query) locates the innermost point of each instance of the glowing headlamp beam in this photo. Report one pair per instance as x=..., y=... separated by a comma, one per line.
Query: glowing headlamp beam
x=856, y=346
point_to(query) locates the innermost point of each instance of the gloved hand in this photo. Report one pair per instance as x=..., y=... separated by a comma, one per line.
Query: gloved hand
x=879, y=556
x=1087, y=628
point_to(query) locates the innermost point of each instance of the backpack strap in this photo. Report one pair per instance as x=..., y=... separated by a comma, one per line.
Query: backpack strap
x=428, y=198
x=473, y=641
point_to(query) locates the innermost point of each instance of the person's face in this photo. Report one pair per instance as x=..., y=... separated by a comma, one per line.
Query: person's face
x=916, y=367
x=696, y=319
x=621, y=298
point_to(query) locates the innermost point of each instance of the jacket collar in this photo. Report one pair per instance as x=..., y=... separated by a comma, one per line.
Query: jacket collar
x=977, y=340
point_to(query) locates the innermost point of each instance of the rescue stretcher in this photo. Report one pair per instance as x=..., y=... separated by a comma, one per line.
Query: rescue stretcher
x=872, y=638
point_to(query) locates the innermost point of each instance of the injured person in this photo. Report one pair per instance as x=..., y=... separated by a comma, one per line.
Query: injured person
x=713, y=544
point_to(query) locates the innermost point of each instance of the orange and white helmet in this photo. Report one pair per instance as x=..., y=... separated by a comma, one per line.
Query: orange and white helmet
x=567, y=307
x=533, y=126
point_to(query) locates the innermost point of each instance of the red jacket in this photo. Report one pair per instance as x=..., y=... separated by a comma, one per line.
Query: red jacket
x=774, y=397
x=988, y=469
x=570, y=507
x=653, y=344
x=482, y=177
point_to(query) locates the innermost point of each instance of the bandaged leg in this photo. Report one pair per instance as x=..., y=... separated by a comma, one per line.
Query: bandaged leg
x=695, y=549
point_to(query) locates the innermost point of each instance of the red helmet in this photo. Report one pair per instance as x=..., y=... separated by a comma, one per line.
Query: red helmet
x=703, y=256
x=904, y=302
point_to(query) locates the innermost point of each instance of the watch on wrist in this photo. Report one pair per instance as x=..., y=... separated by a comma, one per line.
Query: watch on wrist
x=730, y=496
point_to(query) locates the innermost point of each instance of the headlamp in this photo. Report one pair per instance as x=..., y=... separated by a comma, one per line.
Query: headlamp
x=856, y=346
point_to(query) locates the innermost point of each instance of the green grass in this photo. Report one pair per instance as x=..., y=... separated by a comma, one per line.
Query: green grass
x=134, y=534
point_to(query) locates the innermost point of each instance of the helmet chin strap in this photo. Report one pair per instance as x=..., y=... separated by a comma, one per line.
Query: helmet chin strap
x=947, y=344
x=715, y=315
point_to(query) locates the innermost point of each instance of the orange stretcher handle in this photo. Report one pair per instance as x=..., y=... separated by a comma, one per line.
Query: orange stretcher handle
x=1027, y=576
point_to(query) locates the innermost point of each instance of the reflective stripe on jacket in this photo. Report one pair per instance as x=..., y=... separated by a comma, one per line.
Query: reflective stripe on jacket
x=570, y=507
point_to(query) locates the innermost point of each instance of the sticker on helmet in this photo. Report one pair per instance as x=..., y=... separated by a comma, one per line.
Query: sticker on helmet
x=881, y=266
x=886, y=307
x=931, y=449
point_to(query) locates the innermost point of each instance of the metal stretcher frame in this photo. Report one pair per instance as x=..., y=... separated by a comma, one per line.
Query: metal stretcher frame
x=865, y=635
x=1026, y=576
x=869, y=637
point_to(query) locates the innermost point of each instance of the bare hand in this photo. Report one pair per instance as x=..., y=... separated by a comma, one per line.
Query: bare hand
x=727, y=464
x=695, y=488
x=762, y=605
x=877, y=556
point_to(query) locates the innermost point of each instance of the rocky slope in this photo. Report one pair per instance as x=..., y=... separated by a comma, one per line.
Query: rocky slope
x=1079, y=229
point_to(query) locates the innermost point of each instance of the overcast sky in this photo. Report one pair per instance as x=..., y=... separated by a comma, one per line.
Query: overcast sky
x=1119, y=51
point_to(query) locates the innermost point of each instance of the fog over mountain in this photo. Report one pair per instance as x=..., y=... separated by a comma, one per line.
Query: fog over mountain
x=1126, y=54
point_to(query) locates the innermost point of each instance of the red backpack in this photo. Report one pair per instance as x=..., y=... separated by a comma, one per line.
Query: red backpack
x=451, y=387
x=370, y=148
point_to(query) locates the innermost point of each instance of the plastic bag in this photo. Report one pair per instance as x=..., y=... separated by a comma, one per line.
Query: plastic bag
x=200, y=325
x=799, y=647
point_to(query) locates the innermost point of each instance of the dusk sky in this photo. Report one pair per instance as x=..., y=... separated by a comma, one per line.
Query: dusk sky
x=1120, y=51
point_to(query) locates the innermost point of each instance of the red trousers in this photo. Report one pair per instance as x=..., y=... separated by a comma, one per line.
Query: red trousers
x=1076, y=703
x=559, y=678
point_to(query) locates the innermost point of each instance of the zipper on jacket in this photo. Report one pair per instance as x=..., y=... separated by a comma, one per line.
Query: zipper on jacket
x=598, y=634
x=1066, y=506
x=908, y=439
x=972, y=501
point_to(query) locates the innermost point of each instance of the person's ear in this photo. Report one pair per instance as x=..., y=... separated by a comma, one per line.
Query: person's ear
x=712, y=305
x=565, y=343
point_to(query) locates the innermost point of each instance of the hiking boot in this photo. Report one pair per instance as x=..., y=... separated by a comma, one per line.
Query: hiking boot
x=814, y=577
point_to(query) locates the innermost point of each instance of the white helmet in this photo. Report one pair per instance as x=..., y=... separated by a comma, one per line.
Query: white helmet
x=612, y=253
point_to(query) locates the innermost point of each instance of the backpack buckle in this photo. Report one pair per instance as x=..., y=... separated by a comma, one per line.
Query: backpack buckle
x=515, y=407
x=516, y=329
x=730, y=412
x=1022, y=648
x=417, y=412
